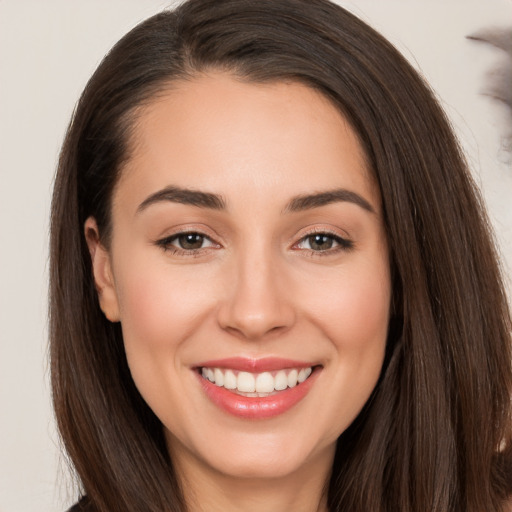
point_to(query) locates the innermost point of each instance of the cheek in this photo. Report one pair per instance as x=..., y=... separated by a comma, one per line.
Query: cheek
x=354, y=316
x=354, y=307
x=159, y=307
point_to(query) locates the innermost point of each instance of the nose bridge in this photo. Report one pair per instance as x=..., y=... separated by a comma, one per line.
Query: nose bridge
x=258, y=302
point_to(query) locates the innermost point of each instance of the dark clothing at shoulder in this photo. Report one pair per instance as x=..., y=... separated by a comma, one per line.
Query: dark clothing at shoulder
x=81, y=506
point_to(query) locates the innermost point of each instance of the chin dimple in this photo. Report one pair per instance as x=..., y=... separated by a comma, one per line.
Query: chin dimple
x=256, y=384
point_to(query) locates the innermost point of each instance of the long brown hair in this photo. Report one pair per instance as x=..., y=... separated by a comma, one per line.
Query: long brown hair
x=436, y=434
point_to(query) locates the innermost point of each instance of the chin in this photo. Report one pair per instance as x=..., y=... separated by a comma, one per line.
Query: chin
x=261, y=456
x=258, y=467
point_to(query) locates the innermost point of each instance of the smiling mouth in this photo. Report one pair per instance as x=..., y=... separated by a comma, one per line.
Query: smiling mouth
x=253, y=385
x=254, y=389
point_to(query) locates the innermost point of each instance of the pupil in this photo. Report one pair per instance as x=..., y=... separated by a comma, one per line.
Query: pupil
x=191, y=241
x=320, y=242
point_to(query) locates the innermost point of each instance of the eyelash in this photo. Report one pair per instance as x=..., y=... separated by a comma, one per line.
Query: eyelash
x=166, y=244
x=343, y=244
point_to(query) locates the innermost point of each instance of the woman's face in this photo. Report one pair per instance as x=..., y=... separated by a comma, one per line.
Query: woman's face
x=248, y=248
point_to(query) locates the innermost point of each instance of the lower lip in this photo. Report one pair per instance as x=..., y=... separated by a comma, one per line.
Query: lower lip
x=257, y=407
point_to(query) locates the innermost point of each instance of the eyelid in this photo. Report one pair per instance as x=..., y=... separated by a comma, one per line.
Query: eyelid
x=177, y=237
x=164, y=242
x=182, y=229
x=345, y=242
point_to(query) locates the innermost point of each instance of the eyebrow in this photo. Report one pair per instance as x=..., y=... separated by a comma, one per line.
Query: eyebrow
x=317, y=200
x=216, y=202
x=184, y=196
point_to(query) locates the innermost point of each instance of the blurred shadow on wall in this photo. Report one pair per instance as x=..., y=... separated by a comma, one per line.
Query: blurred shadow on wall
x=498, y=80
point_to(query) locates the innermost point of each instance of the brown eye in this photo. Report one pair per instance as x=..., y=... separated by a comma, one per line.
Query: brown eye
x=185, y=242
x=320, y=242
x=324, y=242
x=190, y=241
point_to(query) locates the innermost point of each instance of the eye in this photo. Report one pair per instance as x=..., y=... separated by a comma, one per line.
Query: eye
x=324, y=242
x=189, y=241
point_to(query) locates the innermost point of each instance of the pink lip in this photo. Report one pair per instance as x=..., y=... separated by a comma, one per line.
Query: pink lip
x=256, y=407
x=266, y=364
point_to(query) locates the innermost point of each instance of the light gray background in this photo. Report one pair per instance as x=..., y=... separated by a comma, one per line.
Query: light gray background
x=48, y=50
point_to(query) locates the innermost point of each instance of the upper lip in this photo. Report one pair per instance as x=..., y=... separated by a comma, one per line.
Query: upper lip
x=265, y=364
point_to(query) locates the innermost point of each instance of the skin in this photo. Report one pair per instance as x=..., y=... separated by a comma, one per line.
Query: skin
x=257, y=287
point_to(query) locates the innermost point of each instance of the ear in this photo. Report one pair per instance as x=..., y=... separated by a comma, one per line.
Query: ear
x=102, y=271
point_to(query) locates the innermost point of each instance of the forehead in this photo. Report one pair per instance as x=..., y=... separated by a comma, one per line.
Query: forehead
x=227, y=136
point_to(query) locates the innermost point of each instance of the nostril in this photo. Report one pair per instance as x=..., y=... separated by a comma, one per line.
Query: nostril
x=253, y=321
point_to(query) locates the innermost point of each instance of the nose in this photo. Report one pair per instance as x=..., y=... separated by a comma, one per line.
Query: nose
x=257, y=303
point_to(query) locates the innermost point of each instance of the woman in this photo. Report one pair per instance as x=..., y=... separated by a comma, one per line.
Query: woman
x=272, y=281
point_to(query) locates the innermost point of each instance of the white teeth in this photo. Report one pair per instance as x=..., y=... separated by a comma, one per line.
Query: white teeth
x=219, y=377
x=229, y=380
x=260, y=384
x=209, y=374
x=292, y=378
x=265, y=383
x=281, y=381
x=246, y=382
